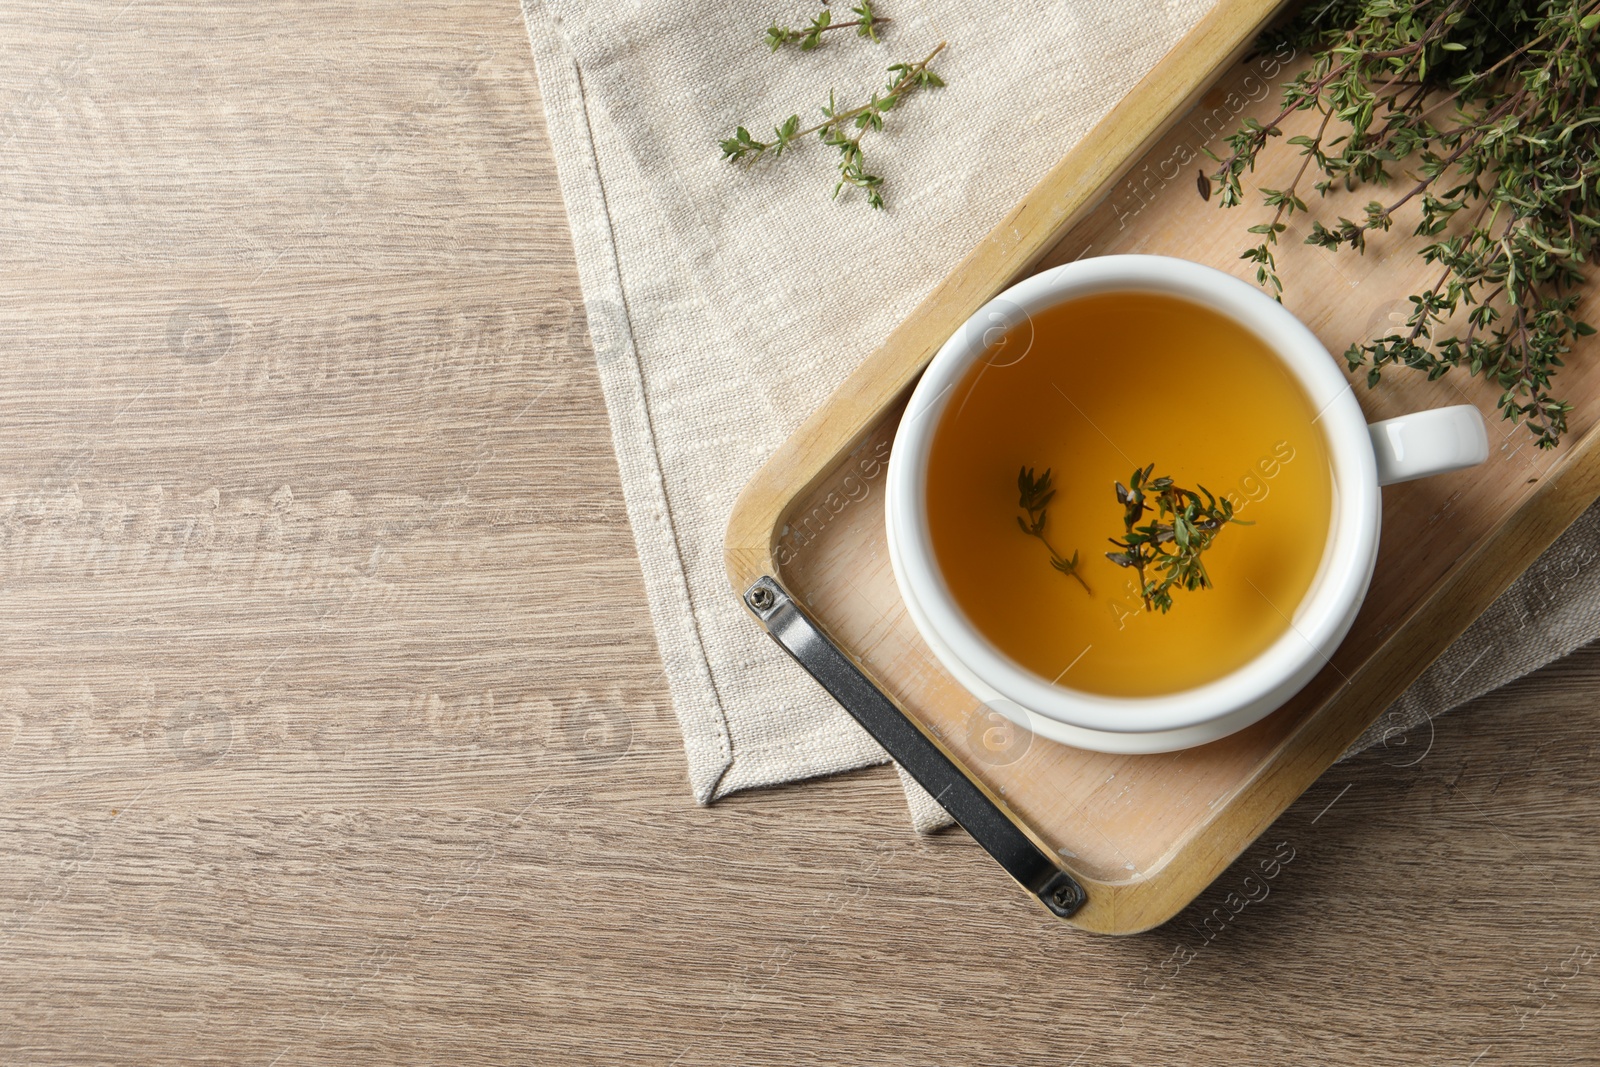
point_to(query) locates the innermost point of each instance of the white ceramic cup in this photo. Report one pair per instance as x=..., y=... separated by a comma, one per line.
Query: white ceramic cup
x=1362, y=459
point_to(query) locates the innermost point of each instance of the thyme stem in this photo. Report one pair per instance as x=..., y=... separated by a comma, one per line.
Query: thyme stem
x=908, y=77
x=1033, y=497
x=1524, y=135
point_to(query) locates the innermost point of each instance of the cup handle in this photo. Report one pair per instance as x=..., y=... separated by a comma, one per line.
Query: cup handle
x=1429, y=442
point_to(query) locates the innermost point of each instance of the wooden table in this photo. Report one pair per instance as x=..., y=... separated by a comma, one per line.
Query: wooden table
x=331, y=724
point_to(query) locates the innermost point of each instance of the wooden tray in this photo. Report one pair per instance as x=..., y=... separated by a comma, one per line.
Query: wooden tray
x=1143, y=835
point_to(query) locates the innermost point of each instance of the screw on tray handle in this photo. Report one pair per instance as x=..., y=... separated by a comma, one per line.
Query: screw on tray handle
x=913, y=750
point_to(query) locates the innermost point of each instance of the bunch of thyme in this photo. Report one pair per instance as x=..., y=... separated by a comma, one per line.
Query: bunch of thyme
x=841, y=128
x=1033, y=497
x=1172, y=544
x=866, y=25
x=1488, y=112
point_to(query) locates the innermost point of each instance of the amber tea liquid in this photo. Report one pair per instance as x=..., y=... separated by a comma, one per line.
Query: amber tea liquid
x=1110, y=382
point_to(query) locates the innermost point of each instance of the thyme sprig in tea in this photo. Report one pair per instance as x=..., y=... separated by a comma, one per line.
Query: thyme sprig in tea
x=866, y=25
x=1166, y=551
x=1487, y=113
x=842, y=128
x=1033, y=497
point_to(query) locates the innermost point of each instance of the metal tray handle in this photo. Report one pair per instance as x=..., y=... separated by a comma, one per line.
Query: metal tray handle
x=912, y=749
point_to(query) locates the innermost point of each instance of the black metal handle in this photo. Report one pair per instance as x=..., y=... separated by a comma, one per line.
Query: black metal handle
x=908, y=746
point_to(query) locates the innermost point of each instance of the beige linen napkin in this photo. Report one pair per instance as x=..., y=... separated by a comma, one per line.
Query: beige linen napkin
x=725, y=305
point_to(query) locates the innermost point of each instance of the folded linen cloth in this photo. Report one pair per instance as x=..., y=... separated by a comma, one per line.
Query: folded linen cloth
x=725, y=305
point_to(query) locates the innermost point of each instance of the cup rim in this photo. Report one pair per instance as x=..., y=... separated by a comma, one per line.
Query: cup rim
x=1316, y=625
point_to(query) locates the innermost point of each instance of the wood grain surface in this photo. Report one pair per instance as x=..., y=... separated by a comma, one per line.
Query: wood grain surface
x=331, y=726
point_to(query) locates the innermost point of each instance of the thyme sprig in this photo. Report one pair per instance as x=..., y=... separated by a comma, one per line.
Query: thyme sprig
x=1033, y=497
x=842, y=128
x=1486, y=110
x=1166, y=551
x=866, y=25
